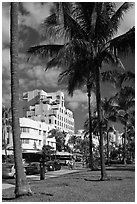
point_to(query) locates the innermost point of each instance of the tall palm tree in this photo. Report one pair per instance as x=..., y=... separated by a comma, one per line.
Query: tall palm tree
x=21, y=187
x=88, y=30
x=125, y=100
x=109, y=111
x=4, y=128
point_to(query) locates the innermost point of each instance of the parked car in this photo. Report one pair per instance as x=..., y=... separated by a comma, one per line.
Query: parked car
x=8, y=170
x=33, y=168
x=53, y=165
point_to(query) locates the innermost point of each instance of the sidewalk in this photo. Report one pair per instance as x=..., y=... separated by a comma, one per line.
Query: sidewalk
x=53, y=174
x=50, y=174
x=6, y=185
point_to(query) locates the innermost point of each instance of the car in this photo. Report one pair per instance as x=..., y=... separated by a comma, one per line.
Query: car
x=33, y=168
x=8, y=170
x=53, y=165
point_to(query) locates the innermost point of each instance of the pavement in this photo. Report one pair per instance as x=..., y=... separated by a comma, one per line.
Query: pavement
x=49, y=174
x=6, y=185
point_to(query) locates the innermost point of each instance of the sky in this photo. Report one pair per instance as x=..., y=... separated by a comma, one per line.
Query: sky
x=32, y=74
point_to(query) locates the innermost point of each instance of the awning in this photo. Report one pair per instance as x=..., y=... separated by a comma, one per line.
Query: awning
x=64, y=153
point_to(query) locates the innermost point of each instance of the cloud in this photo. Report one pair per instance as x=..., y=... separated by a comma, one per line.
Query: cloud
x=128, y=21
x=37, y=12
x=6, y=60
x=5, y=23
x=79, y=99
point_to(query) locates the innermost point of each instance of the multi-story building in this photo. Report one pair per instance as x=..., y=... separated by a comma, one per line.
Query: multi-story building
x=33, y=135
x=48, y=108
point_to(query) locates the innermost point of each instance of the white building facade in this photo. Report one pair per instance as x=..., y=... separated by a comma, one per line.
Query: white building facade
x=34, y=134
x=49, y=108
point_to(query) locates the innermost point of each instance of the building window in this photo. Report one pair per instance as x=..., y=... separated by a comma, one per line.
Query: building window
x=49, y=121
x=55, y=121
x=39, y=132
x=25, y=141
x=44, y=133
x=39, y=142
x=24, y=129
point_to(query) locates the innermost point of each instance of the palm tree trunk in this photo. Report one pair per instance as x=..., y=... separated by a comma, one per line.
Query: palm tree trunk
x=98, y=101
x=90, y=131
x=22, y=187
x=125, y=150
x=5, y=142
x=108, y=147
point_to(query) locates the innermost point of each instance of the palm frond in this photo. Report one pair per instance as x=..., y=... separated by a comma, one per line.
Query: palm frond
x=125, y=43
x=125, y=98
x=71, y=52
x=62, y=24
x=104, y=11
x=126, y=76
x=108, y=57
x=75, y=76
x=117, y=16
x=44, y=50
x=110, y=76
x=117, y=77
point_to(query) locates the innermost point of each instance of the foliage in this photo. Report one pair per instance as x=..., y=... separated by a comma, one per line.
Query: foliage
x=47, y=150
x=60, y=139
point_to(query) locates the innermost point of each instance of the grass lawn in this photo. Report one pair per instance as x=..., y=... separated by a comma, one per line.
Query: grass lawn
x=82, y=186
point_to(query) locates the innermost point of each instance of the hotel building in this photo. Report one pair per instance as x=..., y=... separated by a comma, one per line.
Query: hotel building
x=48, y=108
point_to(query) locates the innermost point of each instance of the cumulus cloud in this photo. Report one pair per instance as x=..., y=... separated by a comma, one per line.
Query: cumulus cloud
x=79, y=99
x=37, y=12
x=5, y=23
x=128, y=20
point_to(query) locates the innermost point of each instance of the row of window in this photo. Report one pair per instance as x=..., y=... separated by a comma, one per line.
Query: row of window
x=65, y=120
x=28, y=130
x=36, y=142
x=65, y=112
x=28, y=141
x=63, y=124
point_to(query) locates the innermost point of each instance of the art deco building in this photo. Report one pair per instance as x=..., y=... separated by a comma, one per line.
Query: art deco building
x=48, y=108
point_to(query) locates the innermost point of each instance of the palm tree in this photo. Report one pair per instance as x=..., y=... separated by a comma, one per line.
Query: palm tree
x=4, y=128
x=125, y=100
x=118, y=77
x=109, y=111
x=88, y=30
x=21, y=187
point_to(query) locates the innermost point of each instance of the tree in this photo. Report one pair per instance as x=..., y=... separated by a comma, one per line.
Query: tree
x=22, y=186
x=88, y=30
x=60, y=139
x=5, y=113
x=120, y=79
x=109, y=111
x=125, y=100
